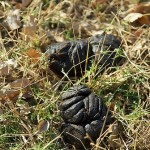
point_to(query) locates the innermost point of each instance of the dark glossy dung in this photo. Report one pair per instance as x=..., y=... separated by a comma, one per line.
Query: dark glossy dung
x=83, y=113
x=74, y=57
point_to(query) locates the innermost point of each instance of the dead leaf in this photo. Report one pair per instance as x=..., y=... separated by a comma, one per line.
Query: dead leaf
x=135, y=35
x=12, y=90
x=19, y=83
x=7, y=66
x=13, y=20
x=132, y=17
x=5, y=95
x=29, y=29
x=140, y=14
x=112, y=106
x=43, y=126
x=21, y=3
x=140, y=8
x=25, y=3
x=144, y=20
x=28, y=32
x=33, y=54
x=4, y=70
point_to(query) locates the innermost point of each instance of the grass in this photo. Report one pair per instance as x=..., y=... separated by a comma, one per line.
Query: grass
x=125, y=90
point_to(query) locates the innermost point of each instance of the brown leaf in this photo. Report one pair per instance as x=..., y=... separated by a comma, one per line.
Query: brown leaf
x=8, y=95
x=135, y=35
x=43, y=126
x=140, y=8
x=19, y=83
x=12, y=90
x=33, y=54
x=28, y=32
x=140, y=14
x=29, y=29
x=22, y=3
x=144, y=20
x=25, y=3
x=112, y=106
x=4, y=71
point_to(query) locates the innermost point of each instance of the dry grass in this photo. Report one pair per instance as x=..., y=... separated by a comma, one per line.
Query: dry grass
x=126, y=90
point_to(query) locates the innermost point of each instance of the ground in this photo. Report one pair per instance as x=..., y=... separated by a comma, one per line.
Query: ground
x=30, y=92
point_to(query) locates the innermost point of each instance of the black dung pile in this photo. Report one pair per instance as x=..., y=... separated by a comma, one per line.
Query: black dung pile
x=83, y=113
x=74, y=57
